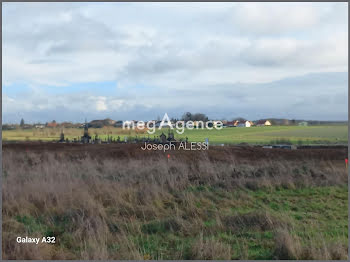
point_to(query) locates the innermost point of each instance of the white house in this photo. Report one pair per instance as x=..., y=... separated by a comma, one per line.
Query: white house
x=244, y=124
x=263, y=123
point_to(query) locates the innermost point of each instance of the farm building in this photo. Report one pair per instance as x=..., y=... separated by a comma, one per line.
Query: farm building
x=263, y=123
x=244, y=124
x=230, y=123
x=51, y=124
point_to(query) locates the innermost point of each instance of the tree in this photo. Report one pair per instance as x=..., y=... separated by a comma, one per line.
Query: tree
x=22, y=123
x=194, y=117
x=187, y=116
x=199, y=117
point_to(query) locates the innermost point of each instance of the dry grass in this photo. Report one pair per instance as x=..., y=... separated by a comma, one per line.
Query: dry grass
x=290, y=247
x=115, y=208
x=210, y=249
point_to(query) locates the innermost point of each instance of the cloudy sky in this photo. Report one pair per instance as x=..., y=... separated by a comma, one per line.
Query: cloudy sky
x=68, y=61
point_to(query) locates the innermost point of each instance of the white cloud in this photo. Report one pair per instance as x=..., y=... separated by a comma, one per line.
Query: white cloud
x=75, y=43
x=166, y=47
x=309, y=54
x=100, y=103
x=272, y=18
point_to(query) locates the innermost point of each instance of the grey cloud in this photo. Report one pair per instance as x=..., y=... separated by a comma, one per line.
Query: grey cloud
x=312, y=96
x=77, y=35
x=65, y=43
x=48, y=61
x=73, y=32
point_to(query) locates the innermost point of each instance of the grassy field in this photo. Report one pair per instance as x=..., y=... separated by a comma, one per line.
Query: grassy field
x=252, y=135
x=263, y=135
x=216, y=205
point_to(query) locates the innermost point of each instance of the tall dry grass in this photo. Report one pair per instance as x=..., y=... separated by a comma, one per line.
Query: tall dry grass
x=89, y=203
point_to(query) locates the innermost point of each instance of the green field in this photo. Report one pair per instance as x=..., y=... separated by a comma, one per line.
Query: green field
x=263, y=135
x=234, y=135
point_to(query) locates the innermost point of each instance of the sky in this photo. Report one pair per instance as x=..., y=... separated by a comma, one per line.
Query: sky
x=124, y=61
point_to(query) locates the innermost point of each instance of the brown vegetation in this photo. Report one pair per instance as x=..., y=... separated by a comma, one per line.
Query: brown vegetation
x=289, y=247
x=109, y=202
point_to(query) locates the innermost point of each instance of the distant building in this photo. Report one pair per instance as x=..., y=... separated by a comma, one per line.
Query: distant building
x=303, y=123
x=263, y=123
x=244, y=124
x=230, y=123
x=233, y=123
x=51, y=124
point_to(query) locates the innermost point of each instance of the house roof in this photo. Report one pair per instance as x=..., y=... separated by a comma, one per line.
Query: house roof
x=51, y=124
x=261, y=122
x=243, y=122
